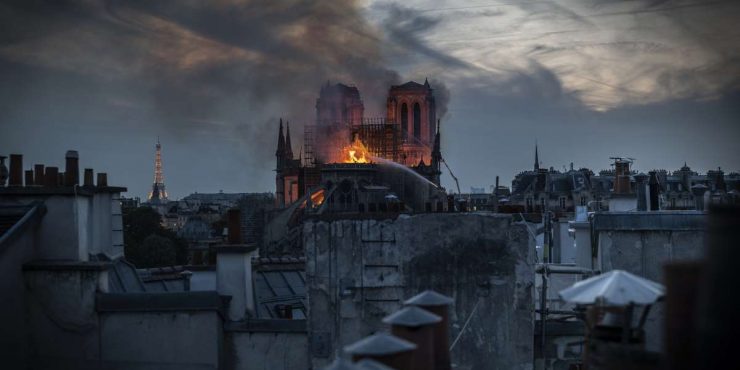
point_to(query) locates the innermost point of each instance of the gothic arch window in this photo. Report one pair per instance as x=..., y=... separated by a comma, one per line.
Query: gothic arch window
x=404, y=119
x=417, y=121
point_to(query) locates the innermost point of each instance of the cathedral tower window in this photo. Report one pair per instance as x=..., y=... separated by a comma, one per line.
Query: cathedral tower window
x=417, y=121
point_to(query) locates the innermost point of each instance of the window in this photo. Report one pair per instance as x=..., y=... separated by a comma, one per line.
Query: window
x=417, y=121
x=583, y=201
x=404, y=119
x=562, y=202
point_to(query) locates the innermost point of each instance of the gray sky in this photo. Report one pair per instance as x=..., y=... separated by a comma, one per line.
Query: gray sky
x=655, y=80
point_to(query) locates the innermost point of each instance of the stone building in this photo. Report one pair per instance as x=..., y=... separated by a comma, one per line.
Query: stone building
x=339, y=103
x=412, y=105
x=408, y=136
x=360, y=270
x=619, y=189
x=547, y=189
x=74, y=302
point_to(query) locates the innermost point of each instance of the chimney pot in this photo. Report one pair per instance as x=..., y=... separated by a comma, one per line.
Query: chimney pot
x=437, y=304
x=384, y=348
x=654, y=191
x=51, y=178
x=72, y=168
x=102, y=179
x=88, y=180
x=16, y=170
x=3, y=171
x=416, y=325
x=234, y=226
x=38, y=175
x=29, y=177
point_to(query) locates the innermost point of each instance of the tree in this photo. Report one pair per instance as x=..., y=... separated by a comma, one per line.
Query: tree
x=147, y=243
x=157, y=251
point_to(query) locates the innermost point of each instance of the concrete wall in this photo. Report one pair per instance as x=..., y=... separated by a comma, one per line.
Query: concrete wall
x=644, y=252
x=266, y=351
x=13, y=328
x=360, y=271
x=178, y=339
x=63, y=233
x=62, y=325
x=234, y=278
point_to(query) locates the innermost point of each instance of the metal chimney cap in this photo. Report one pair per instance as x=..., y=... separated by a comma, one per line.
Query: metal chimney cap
x=72, y=154
x=341, y=364
x=429, y=298
x=368, y=364
x=412, y=316
x=379, y=344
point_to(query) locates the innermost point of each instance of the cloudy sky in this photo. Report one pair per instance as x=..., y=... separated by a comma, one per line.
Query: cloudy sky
x=586, y=79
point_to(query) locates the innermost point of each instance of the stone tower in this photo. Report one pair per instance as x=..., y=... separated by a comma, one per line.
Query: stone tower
x=339, y=104
x=412, y=106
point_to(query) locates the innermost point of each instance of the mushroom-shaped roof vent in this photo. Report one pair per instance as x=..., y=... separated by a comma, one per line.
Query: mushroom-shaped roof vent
x=412, y=316
x=379, y=344
x=341, y=364
x=368, y=364
x=429, y=298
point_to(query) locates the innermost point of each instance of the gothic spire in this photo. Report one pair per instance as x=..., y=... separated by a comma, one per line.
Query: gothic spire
x=281, y=141
x=288, y=145
x=536, y=158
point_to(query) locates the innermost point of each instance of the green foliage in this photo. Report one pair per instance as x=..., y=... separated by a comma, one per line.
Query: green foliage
x=158, y=251
x=147, y=243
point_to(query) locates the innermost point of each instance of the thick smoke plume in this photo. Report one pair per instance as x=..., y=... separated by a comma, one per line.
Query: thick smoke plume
x=230, y=66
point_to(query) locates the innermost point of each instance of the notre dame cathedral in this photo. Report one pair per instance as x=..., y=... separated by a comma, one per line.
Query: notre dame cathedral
x=408, y=135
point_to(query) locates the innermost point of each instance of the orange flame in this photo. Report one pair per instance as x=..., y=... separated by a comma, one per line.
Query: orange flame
x=317, y=198
x=356, y=152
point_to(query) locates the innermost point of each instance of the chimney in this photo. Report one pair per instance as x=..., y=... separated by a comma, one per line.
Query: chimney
x=437, y=304
x=698, y=191
x=51, y=176
x=3, y=171
x=682, y=280
x=342, y=364
x=102, y=179
x=234, y=278
x=654, y=191
x=38, y=175
x=234, y=225
x=88, y=178
x=416, y=325
x=718, y=307
x=368, y=364
x=621, y=176
x=72, y=168
x=642, y=193
x=384, y=348
x=16, y=170
x=186, y=275
x=29, y=177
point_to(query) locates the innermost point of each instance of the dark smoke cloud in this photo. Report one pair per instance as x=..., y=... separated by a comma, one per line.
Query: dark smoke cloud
x=225, y=70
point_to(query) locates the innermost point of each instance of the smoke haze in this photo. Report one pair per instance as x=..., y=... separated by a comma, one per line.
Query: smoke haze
x=658, y=81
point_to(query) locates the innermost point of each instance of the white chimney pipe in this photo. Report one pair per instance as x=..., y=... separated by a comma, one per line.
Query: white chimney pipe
x=234, y=278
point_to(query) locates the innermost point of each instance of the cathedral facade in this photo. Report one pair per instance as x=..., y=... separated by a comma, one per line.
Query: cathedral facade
x=408, y=135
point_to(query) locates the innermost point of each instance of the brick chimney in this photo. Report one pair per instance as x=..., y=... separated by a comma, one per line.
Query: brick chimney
x=437, y=304
x=72, y=168
x=384, y=348
x=416, y=325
